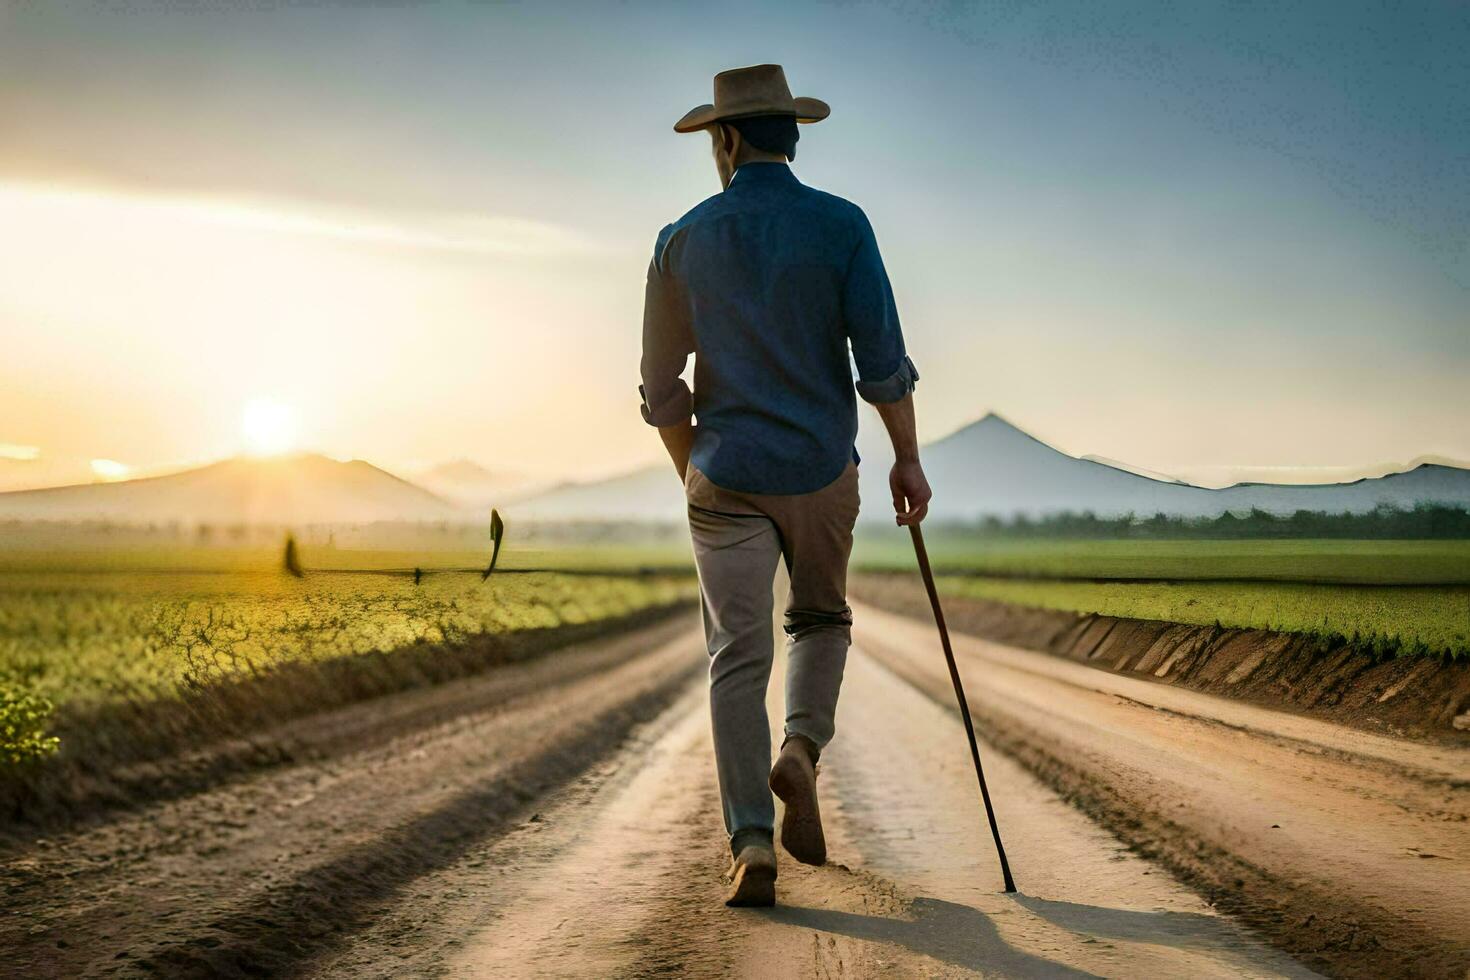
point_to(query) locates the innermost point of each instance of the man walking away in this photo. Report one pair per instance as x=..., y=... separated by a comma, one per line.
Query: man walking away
x=768, y=283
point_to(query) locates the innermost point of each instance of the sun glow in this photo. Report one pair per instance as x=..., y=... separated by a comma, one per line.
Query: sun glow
x=108, y=470
x=269, y=427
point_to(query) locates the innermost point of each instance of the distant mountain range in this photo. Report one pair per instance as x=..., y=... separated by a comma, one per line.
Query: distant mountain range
x=289, y=490
x=652, y=493
x=989, y=467
x=468, y=484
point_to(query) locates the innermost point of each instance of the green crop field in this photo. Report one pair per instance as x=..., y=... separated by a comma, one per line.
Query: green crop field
x=1360, y=562
x=88, y=636
x=1393, y=596
x=153, y=625
x=84, y=630
x=1418, y=619
x=614, y=558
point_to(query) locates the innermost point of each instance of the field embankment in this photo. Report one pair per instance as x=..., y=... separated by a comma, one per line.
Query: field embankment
x=1304, y=671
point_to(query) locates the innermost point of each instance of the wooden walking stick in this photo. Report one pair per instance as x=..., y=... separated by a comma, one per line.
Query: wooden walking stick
x=959, y=692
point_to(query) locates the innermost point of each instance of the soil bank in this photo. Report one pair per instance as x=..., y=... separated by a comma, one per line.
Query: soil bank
x=1404, y=696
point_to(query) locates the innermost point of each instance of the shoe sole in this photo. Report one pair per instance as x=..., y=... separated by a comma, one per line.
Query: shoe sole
x=754, y=887
x=801, y=825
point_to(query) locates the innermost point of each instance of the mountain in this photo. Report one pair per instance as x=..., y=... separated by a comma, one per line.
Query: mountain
x=992, y=468
x=29, y=474
x=989, y=467
x=290, y=490
x=469, y=484
x=652, y=493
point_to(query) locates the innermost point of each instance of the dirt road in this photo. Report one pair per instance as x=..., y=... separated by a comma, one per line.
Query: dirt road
x=560, y=818
x=1349, y=848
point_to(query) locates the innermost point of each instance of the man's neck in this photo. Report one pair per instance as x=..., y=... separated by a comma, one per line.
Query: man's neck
x=758, y=156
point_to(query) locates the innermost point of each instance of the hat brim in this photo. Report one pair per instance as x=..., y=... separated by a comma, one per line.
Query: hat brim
x=703, y=116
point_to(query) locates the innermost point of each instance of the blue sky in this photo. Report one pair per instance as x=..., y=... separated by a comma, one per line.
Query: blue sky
x=1207, y=239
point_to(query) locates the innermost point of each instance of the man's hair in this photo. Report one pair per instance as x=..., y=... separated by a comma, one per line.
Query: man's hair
x=774, y=134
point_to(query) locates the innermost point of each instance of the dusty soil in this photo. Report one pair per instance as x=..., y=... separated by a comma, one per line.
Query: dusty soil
x=1348, y=848
x=1405, y=696
x=559, y=817
x=619, y=875
x=257, y=875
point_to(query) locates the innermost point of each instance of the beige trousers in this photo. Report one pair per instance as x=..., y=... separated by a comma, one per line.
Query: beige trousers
x=738, y=538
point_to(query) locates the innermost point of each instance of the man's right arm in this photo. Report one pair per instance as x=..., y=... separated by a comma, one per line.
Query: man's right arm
x=667, y=343
x=678, y=443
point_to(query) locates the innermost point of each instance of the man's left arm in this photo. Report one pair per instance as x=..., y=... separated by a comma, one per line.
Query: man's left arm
x=886, y=375
x=870, y=316
x=667, y=343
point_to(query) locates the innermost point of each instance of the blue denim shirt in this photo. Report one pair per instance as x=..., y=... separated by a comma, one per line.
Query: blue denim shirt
x=767, y=284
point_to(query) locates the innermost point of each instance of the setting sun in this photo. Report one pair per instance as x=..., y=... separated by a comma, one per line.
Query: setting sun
x=269, y=427
x=108, y=470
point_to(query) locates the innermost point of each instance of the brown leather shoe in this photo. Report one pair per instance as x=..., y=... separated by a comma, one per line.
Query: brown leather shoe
x=794, y=780
x=753, y=878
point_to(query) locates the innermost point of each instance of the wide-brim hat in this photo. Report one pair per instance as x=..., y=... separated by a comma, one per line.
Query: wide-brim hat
x=759, y=90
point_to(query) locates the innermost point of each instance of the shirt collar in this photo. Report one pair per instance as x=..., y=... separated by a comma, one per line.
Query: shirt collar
x=749, y=172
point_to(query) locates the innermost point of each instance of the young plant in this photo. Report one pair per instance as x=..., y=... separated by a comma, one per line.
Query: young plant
x=292, y=558
x=497, y=532
x=23, y=720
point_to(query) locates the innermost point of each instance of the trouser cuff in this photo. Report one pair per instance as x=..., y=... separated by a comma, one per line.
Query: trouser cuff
x=746, y=836
x=812, y=746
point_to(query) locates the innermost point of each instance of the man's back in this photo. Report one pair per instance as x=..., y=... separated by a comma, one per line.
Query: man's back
x=768, y=282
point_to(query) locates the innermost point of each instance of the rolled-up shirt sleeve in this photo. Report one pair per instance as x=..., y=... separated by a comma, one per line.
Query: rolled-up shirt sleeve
x=885, y=372
x=667, y=343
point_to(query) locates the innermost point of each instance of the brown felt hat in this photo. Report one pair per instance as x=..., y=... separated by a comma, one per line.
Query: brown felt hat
x=759, y=90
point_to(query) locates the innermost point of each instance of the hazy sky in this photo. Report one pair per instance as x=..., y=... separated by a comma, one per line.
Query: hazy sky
x=1200, y=238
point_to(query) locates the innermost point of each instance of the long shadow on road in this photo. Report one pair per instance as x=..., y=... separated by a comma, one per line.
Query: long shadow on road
x=966, y=937
x=955, y=934
x=1180, y=930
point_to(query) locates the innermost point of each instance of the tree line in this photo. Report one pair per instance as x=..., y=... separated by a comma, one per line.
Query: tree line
x=1426, y=521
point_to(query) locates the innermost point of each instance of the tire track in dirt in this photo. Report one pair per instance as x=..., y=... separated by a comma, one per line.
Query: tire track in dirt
x=261, y=874
x=1345, y=848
